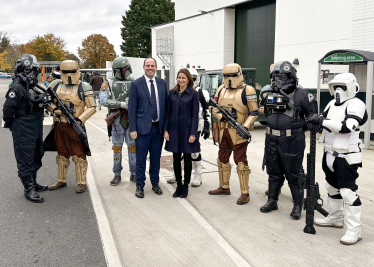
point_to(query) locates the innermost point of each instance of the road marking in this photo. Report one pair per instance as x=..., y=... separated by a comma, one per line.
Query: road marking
x=229, y=250
x=109, y=246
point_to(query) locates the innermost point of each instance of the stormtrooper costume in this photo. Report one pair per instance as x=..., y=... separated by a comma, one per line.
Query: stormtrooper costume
x=341, y=122
x=203, y=129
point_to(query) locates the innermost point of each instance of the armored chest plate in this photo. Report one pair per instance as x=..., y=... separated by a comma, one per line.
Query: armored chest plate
x=120, y=89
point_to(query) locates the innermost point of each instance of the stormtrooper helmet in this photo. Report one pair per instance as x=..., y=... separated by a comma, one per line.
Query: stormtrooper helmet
x=344, y=86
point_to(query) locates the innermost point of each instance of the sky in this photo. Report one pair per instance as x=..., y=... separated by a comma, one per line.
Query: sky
x=72, y=20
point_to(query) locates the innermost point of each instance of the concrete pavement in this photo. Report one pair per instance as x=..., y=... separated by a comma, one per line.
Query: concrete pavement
x=201, y=230
x=204, y=230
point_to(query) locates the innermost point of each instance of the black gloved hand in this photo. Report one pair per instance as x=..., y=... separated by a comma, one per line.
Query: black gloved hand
x=314, y=122
x=205, y=133
x=244, y=136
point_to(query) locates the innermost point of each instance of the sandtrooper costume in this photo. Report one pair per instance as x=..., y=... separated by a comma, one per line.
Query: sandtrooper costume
x=203, y=129
x=241, y=100
x=341, y=120
x=63, y=138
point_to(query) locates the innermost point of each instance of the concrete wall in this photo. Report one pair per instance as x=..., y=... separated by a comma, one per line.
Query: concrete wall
x=307, y=30
x=206, y=41
x=187, y=8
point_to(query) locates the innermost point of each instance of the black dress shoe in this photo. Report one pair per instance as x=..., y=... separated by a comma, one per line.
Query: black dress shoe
x=139, y=192
x=132, y=178
x=115, y=180
x=157, y=189
x=40, y=188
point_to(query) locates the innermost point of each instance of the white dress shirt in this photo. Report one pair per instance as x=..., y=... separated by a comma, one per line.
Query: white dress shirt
x=147, y=80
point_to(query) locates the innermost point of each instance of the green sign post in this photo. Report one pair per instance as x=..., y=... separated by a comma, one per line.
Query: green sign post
x=343, y=57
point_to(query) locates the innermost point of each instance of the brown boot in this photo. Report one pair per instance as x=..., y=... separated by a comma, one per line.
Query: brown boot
x=81, y=188
x=220, y=191
x=243, y=199
x=57, y=186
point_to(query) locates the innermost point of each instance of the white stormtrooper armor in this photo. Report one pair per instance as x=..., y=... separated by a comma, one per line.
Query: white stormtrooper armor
x=196, y=157
x=344, y=116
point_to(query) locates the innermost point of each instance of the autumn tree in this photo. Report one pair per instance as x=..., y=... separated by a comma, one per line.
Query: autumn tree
x=136, y=34
x=96, y=49
x=9, y=52
x=46, y=48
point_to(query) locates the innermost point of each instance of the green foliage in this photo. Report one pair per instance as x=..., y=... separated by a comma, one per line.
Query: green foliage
x=96, y=49
x=45, y=48
x=143, y=14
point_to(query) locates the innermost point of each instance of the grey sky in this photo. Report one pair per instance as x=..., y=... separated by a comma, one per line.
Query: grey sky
x=72, y=20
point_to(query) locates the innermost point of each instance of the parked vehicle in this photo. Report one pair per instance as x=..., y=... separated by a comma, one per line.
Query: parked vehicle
x=4, y=75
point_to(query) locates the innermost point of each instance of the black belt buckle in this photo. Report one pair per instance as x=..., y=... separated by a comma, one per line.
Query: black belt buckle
x=155, y=122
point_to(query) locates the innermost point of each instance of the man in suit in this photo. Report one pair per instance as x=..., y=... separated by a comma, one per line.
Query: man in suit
x=146, y=119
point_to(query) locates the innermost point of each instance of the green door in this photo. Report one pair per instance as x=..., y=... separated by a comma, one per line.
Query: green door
x=254, y=37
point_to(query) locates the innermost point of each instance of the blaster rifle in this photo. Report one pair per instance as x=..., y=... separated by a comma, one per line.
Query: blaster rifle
x=228, y=116
x=73, y=121
x=312, y=194
x=110, y=119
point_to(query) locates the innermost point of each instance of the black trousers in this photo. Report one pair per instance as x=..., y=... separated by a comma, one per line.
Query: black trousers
x=28, y=145
x=177, y=157
x=283, y=158
x=344, y=175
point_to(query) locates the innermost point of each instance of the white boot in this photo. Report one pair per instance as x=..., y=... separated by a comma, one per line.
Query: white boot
x=335, y=217
x=197, y=168
x=172, y=180
x=353, y=223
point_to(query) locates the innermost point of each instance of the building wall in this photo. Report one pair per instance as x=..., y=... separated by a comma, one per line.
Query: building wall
x=206, y=41
x=188, y=8
x=308, y=31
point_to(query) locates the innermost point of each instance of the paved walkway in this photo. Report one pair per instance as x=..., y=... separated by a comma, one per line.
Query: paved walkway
x=205, y=230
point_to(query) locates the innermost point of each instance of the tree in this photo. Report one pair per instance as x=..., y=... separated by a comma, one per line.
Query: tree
x=136, y=34
x=96, y=49
x=45, y=48
x=5, y=41
x=9, y=58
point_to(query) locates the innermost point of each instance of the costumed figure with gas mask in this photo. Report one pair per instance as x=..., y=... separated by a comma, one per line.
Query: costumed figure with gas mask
x=23, y=115
x=239, y=101
x=341, y=122
x=77, y=98
x=203, y=130
x=286, y=105
x=118, y=119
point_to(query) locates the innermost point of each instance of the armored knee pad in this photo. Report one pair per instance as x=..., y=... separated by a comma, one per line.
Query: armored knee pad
x=350, y=197
x=332, y=191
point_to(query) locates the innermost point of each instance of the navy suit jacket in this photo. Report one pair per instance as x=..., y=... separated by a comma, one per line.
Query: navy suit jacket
x=140, y=107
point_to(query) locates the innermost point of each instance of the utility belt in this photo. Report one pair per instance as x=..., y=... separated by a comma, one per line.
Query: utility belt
x=286, y=133
x=352, y=154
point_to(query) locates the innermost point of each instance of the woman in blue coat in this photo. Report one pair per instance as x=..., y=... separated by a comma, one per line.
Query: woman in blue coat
x=180, y=128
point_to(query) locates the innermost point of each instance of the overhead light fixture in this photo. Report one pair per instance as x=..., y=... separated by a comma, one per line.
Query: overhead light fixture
x=204, y=12
x=295, y=61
